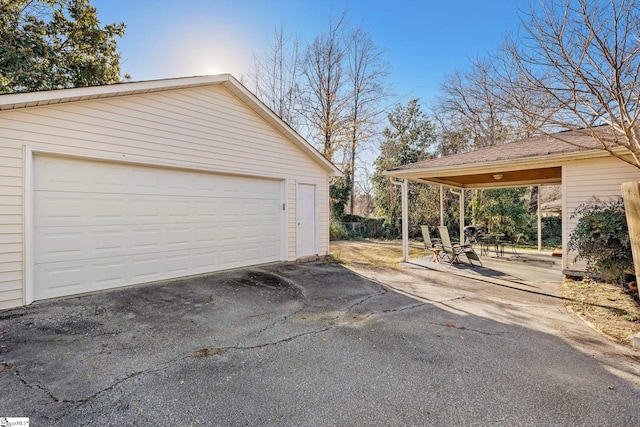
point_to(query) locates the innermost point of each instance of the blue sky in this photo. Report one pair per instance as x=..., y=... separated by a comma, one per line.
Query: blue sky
x=423, y=40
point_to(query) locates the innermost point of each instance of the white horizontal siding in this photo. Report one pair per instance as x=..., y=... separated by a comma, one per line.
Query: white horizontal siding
x=10, y=298
x=11, y=225
x=581, y=182
x=203, y=128
x=224, y=137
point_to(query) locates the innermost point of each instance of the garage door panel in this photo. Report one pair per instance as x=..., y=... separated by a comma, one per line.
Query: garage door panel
x=147, y=239
x=231, y=258
x=64, y=209
x=64, y=244
x=108, y=179
x=206, y=210
x=109, y=273
x=270, y=251
x=180, y=236
x=179, y=209
x=251, y=232
x=270, y=232
x=205, y=260
x=99, y=230
x=71, y=277
x=147, y=269
x=58, y=174
x=252, y=254
x=57, y=209
x=178, y=264
x=60, y=279
x=107, y=209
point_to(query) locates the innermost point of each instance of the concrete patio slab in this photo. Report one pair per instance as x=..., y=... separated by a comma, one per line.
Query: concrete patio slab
x=527, y=265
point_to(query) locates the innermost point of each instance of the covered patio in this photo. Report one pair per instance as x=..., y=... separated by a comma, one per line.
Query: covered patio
x=530, y=266
x=583, y=172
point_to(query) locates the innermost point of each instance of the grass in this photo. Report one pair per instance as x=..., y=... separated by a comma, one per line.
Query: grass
x=372, y=253
x=606, y=307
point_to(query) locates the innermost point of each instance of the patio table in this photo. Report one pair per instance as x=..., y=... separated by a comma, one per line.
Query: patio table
x=494, y=240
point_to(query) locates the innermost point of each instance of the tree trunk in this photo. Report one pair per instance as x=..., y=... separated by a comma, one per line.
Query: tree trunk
x=631, y=195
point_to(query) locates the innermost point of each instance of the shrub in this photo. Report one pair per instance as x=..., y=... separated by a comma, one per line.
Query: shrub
x=552, y=231
x=601, y=238
x=336, y=230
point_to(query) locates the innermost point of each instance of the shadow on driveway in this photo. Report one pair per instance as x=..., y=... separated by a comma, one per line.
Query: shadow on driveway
x=293, y=344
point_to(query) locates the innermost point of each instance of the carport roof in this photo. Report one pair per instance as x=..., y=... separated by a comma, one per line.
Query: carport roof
x=531, y=161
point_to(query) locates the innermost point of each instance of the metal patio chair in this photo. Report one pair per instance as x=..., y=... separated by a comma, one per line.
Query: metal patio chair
x=435, y=246
x=455, y=250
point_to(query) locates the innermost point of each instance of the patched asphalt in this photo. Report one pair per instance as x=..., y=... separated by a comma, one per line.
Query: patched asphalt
x=309, y=345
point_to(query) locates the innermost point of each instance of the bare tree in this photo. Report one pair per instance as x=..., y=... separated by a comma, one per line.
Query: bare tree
x=366, y=71
x=579, y=62
x=471, y=112
x=276, y=77
x=363, y=194
x=325, y=103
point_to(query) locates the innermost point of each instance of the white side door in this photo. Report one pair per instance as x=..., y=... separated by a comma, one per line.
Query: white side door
x=307, y=229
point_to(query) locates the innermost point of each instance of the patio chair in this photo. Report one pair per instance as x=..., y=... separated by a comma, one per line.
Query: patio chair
x=435, y=246
x=514, y=244
x=454, y=250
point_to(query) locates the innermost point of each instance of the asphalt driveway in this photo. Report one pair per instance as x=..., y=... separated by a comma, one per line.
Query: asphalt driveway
x=307, y=345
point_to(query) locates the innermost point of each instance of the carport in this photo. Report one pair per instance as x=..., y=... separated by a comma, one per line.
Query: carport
x=571, y=159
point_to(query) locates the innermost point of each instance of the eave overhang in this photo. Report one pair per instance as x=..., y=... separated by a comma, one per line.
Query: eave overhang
x=539, y=170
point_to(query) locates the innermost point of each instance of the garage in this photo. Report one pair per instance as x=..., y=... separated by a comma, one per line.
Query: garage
x=117, y=185
x=100, y=225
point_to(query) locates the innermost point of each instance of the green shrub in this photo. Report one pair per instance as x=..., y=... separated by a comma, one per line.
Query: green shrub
x=552, y=231
x=336, y=230
x=601, y=238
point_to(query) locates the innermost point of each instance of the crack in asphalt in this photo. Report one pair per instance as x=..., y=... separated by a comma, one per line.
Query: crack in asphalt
x=208, y=352
x=282, y=319
x=464, y=328
x=405, y=308
x=449, y=299
x=92, y=397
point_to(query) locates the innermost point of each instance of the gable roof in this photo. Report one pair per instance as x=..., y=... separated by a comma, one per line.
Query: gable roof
x=16, y=101
x=530, y=161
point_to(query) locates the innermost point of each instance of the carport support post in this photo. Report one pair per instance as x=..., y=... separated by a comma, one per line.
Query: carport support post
x=462, y=242
x=631, y=197
x=539, y=219
x=441, y=205
x=405, y=220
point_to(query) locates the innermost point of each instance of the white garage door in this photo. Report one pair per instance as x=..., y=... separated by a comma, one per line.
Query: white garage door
x=102, y=225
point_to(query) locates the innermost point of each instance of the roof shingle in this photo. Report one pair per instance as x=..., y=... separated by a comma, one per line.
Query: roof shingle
x=537, y=146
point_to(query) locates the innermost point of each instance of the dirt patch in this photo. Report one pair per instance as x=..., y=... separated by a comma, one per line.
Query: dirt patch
x=263, y=280
x=606, y=308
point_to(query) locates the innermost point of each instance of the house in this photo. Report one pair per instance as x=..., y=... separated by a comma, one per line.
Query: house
x=581, y=167
x=109, y=186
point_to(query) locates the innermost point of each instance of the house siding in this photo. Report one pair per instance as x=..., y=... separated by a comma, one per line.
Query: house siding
x=583, y=180
x=204, y=128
